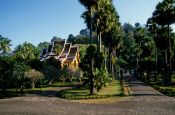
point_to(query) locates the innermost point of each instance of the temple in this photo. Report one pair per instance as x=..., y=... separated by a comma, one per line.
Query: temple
x=69, y=55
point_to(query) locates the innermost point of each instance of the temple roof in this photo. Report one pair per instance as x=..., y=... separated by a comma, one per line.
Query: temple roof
x=68, y=51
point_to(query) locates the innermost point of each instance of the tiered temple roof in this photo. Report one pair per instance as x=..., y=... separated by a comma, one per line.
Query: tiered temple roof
x=69, y=55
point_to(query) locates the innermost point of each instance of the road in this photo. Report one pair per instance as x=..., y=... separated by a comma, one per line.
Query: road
x=145, y=101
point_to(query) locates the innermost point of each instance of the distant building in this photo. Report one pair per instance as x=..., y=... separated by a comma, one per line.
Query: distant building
x=69, y=55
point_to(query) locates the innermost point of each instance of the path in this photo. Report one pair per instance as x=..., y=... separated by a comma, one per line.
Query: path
x=146, y=101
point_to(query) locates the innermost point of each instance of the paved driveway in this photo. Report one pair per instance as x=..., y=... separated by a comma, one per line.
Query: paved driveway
x=146, y=101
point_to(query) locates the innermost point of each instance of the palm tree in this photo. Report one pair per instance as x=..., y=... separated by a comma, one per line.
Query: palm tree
x=89, y=5
x=139, y=34
x=4, y=44
x=26, y=51
x=112, y=40
x=165, y=15
x=102, y=19
x=153, y=27
x=104, y=16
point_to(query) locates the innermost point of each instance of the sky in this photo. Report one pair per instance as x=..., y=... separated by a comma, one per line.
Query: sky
x=36, y=21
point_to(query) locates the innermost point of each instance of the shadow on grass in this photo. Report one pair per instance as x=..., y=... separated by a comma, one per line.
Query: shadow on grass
x=7, y=94
x=48, y=92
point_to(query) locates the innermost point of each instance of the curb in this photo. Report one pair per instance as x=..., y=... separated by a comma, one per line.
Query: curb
x=127, y=90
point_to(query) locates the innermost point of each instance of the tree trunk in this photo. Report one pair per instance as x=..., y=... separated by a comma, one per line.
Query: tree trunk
x=156, y=71
x=50, y=82
x=100, y=42
x=91, y=79
x=21, y=89
x=148, y=69
x=33, y=84
x=140, y=61
x=109, y=59
x=165, y=80
x=112, y=68
x=169, y=52
x=137, y=74
x=105, y=57
x=91, y=25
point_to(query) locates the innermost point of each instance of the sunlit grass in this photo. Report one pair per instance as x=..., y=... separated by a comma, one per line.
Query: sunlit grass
x=83, y=92
x=102, y=100
x=113, y=88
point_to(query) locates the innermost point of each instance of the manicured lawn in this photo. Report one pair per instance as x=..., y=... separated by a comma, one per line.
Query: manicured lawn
x=114, y=89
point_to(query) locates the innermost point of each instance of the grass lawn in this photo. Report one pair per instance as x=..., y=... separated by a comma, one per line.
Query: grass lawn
x=114, y=89
x=167, y=90
x=44, y=87
x=102, y=100
x=15, y=92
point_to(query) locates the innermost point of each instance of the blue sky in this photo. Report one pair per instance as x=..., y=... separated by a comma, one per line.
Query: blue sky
x=36, y=21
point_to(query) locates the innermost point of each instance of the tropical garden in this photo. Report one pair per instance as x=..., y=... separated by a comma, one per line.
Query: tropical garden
x=107, y=47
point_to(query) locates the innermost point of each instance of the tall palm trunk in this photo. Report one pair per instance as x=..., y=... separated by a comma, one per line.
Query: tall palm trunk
x=164, y=79
x=169, y=52
x=100, y=47
x=148, y=68
x=156, y=52
x=139, y=62
x=137, y=65
x=91, y=79
x=104, y=51
x=90, y=25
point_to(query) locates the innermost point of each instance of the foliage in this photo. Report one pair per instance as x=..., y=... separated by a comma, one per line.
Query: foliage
x=78, y=75
x=4, y=44
x=82, y=50
x=19, y=74
x=55, y=38
x=53, y=62
x=101, y=78
x=69, y=75
x=82, y=92
x=26, y=51
x=71, y=39
x=165, y=12
x=51, y=73
x=92, y=60
x=164, y=16
x=57, y=49
x=79, y=39
x=6, y=72
x=34, y=76
x=42, y=45
x=63, y=76
x=36, y=64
